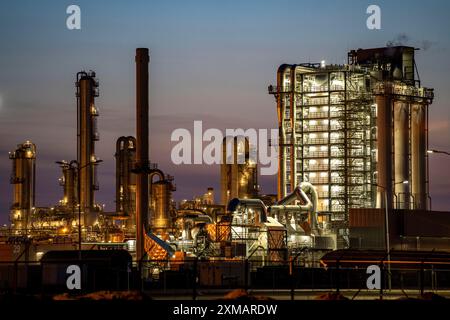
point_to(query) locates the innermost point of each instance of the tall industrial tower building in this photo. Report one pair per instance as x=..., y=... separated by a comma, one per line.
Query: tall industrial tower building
x=23, y=177
x=87, y=91
x=357, y=132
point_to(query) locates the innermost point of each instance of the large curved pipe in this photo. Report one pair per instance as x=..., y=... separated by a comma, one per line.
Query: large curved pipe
x=286, y=205
x=157, y=172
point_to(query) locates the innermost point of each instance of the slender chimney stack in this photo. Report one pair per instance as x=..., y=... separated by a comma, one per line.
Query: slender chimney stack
x=142, y=162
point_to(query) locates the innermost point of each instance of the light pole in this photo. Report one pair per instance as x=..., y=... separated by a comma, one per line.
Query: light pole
x=95, y=162
x=386, y=226
x=396, y=183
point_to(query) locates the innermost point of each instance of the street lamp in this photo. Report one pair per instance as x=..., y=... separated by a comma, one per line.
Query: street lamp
x=386, y=222
x=97, y=161
x=395, y=194
x=386, y=225
x=438, y=151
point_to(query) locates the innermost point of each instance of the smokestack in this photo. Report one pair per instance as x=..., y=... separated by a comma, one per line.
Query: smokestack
x=142, y=163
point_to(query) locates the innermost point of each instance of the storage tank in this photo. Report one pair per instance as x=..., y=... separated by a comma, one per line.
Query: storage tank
x=23, y=179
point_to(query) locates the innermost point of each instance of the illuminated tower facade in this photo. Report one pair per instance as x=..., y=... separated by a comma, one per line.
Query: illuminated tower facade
x=344, y=130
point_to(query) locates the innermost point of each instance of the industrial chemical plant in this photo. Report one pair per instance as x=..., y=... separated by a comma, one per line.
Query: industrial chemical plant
x=353, y=141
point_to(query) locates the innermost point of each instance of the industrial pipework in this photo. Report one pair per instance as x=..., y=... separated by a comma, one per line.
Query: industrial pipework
x=308, y=205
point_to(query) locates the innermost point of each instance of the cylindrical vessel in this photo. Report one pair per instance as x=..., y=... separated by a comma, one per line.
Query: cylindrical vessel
x=69, y=183
x=384, y=149
x=418, y=156
x=23, y=179
x=161, y=195
x=239, y=176
x=401, y=155
x=87, y=135
x=125, y=180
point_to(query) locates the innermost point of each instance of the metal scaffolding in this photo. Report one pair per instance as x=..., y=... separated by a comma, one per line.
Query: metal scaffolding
x=326, y=116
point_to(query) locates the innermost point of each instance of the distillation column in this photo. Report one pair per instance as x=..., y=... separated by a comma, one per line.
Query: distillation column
x=401, y=154
x=23, y=179
x=142, y=157
x=69, y=183
x=125, y=180
x=87, y=90
x=418, y=156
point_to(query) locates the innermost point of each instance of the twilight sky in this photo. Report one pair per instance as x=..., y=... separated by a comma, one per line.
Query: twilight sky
x=210, y=61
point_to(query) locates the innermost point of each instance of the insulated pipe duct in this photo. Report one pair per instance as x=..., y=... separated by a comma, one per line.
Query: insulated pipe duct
x=286, y=204
x=401, y=156
x=418, y=159
x=293, y=136
x=142, y=157
x=384, y=149
x=282, y=134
